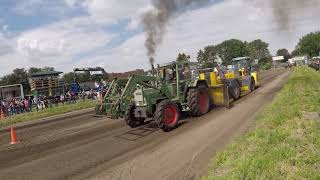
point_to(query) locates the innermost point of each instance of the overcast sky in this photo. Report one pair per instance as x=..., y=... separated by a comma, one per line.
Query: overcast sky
x=87, y=33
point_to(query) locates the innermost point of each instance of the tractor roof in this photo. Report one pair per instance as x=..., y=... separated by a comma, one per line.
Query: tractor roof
x=173, y=63
x=240, y=58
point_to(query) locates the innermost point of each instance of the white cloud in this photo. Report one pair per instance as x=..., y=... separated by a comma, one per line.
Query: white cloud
x=106, y=11
x=55, y=45
x=60, y=40
x=54, y=8
x=73, y=3
x=80, y=42
x=6, y=45
x=131, y=55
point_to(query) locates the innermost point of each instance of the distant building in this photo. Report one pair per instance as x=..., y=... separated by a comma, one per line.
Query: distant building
x=46, y=84
x=278, y=61
x=291, y=61
x=126, y=74
x=11, y=91
x=300, y=60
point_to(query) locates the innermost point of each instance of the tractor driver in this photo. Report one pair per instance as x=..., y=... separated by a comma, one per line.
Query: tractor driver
x=221, y=70
x=169, y=74
x=185, y=73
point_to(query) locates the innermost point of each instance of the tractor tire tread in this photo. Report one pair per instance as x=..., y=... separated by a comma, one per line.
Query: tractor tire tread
x=192, y=100
x=130, y=119
x=158, y=116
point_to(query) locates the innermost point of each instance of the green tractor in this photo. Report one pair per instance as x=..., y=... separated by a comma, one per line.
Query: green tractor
x=174, y=87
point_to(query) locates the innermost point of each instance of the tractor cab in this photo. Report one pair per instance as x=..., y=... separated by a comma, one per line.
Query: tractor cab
x=247, y=68
x=242, y=65
x=177, y=71
x=177, y=76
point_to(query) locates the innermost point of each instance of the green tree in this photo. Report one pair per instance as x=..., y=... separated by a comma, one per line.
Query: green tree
x=230, y=49
x=183, y=57
x=233, y=48
x=46, y=69
x=18, y=76
x=309, y=44
x=207, y=56
x=295, y=52
x=34, y=70
x=285, y=53
x=200, y=57
x=259, y=49
x=83, y=77
x=68, y=77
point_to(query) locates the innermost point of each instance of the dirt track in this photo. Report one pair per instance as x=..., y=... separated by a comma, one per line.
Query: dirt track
x=85, y=147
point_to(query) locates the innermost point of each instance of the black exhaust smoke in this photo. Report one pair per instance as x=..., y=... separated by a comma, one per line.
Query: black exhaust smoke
x=155, y=21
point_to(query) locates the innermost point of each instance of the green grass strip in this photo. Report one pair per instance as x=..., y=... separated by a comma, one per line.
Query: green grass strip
x=283, y=144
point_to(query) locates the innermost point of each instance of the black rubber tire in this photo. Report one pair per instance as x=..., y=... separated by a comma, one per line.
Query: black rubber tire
x=193, y=103
x=159, y=115
x=130, y=118
x=236, y=90
x=252, y=85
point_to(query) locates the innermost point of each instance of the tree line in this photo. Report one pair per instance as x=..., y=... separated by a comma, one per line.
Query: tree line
x=258, y=49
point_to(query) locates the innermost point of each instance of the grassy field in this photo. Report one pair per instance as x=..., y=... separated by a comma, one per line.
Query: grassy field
x=285, y=141
x=46, y=113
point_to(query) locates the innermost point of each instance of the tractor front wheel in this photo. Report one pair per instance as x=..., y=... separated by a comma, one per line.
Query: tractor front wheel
x=130, y=118
x=199, y=101
x=167, y=115
x=235, y=90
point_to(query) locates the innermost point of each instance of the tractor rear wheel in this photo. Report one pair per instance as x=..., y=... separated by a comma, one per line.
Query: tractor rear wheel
x=199, y=101
x=167, y=115
x=130, y=118
x=252, y=85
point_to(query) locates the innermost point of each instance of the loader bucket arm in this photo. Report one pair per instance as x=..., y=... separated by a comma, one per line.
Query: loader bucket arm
x=131, y=87
x=108, y=104
x=120, y=94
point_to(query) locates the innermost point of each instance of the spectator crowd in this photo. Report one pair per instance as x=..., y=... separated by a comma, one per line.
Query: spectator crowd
x=10, y=107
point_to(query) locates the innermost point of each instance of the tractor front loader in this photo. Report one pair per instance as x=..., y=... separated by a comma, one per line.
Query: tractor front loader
x=176, y=87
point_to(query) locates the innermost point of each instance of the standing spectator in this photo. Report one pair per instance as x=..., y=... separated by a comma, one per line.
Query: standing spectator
x=1, y=106
x=40, y=103
x=30, y=104
x=62, y=98
x=37, y=102
x=17, y=106
x=22, y=106
x=56, y=100
x=49, y=99
x=83, y=96
x=46, y=103
x=69, y=97
x=73, y=97
x=5, y=106
x=10, y=108
x=26, y=105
